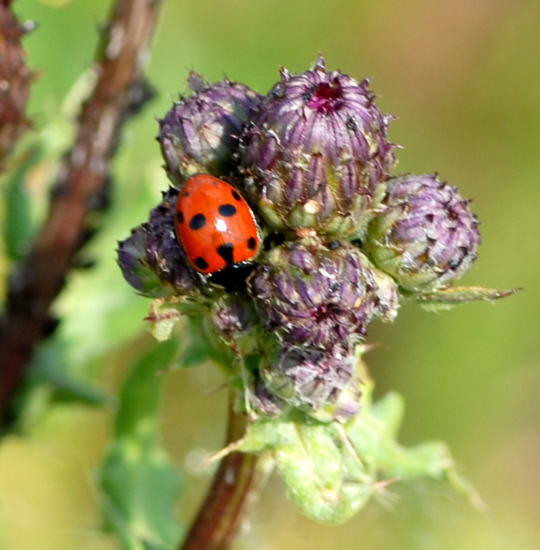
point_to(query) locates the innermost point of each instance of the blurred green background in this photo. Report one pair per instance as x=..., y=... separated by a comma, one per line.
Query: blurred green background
x=464, y=81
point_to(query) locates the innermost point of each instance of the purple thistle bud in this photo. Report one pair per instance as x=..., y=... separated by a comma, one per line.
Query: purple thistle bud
x=151, y=259
x=426, y=236
x=316, y=151
x=309, y=378
x=134, y=264
x=200, y=133
x=316, y=296
x=262, y=399
x=232, y=314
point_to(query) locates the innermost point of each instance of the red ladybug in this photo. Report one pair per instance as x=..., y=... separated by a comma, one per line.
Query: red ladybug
x=215, y=225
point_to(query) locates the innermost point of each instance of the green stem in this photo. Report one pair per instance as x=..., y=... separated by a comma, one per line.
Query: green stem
x=237, y=482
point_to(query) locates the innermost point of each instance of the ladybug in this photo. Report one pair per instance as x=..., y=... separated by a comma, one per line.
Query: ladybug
x=215, y=225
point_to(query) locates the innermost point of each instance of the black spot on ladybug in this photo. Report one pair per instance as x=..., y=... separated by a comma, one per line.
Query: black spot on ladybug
x=236, y=195
x=180, y=217
x=201, y=263
x=186, y=194
x=227, y=210
x=252, y=243
x=226, y=251
x=197, y=221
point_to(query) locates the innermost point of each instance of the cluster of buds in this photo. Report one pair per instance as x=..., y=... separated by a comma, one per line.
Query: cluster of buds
x=344, y=239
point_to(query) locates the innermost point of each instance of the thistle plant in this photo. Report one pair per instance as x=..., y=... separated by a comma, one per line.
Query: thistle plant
x=346, y=240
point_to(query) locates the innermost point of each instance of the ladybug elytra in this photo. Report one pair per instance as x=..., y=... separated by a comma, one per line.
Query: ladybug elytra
x=215, y=225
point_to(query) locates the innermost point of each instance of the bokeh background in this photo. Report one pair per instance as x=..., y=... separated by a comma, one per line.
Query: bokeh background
x=464, y=81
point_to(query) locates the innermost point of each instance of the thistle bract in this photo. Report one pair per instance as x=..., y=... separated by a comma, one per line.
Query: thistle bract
x=151, y=259
x=200, y=133
x=316, y=151
x=231, y=315
x=309, y=378
x=426, y=236
x=317, y=295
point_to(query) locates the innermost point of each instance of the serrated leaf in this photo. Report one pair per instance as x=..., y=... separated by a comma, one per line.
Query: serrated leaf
x=321, y=479
x=373, y=434
x=332, y=469
x=139, y=485
x=450, y=297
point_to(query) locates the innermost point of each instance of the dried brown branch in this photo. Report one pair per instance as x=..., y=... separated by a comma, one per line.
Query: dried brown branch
x=14, y=82
x=237, y=483
x=83, y=178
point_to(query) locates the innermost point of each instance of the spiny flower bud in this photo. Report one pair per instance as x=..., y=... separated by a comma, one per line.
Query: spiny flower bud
x=309, y=378
x=201, y=132
x=316, y=151
x=426, y=236
x=151, y=259
x=315, y=295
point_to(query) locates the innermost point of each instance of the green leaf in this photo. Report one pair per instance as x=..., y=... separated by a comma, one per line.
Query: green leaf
x=18, y=226
x=49, y=367
x=373, y=434
x=331, y=469
x=139, y=485
x=453, y=296
x=322, y=478
x=197, y=349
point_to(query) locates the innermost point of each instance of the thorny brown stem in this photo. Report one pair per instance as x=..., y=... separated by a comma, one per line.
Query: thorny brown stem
x=83, y=177
x=15, y=81
x=236, y=485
